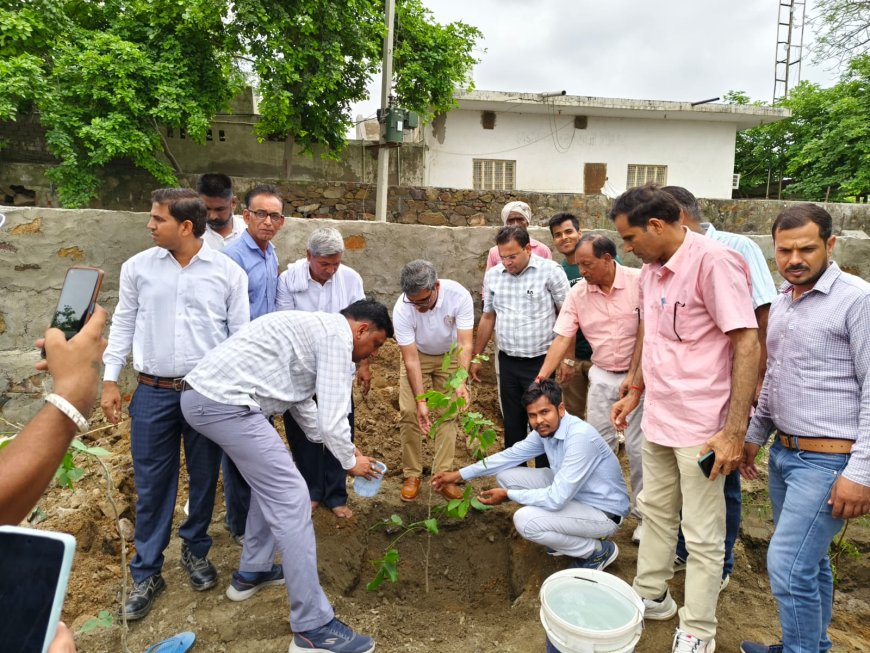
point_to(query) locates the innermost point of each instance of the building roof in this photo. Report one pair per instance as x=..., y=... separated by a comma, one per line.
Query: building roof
x=745, y=116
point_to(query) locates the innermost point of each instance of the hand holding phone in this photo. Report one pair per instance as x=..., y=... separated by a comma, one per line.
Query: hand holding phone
x=34, y=570
x=77, y=299
x=706, y=461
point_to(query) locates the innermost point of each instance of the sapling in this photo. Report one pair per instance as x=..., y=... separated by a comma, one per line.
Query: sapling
x=480, y=435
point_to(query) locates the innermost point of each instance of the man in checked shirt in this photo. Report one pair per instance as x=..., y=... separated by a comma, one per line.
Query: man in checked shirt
x=816, y=395
x=279, y=363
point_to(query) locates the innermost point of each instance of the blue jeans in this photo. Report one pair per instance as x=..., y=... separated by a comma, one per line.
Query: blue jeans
x=157, y=430
x=733, y=503
x=800, y=483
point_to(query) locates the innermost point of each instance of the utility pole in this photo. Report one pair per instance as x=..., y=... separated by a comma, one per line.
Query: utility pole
x=386, y=87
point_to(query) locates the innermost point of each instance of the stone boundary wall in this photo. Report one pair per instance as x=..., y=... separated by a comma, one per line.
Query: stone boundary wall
x=38, y=245
x=352, y=200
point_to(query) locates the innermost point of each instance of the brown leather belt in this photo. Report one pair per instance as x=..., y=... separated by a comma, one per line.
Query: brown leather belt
x=163, y=382
x=816, y=445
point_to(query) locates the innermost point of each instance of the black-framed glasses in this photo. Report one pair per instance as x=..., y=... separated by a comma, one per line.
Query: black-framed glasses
x=426, y=302
x=260, y=215
x=676, y=304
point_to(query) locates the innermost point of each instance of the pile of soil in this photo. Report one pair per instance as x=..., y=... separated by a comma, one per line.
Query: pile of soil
x=482, y=579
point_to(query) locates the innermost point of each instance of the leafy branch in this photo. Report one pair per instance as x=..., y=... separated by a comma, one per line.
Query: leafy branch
x=448, y=404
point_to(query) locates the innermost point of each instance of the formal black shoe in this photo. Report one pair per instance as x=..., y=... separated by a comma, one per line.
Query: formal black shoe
x=141, y=597
x=201, y=572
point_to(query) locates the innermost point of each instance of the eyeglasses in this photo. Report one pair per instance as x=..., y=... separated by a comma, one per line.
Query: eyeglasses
x=260, y=215
x=426, y=302
x=511, y=258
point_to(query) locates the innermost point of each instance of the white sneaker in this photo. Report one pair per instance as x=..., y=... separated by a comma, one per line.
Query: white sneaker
x=725, y=582
x=686, y=643
x=660, y=610
x=638, y=533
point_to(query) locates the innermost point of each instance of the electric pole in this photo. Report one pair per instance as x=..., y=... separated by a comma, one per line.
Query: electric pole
x=386, y=88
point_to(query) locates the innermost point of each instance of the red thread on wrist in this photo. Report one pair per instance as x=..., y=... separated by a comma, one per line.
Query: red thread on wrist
x=635, y=387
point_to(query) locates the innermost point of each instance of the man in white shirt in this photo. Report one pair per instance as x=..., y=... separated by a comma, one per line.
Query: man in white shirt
x=278, y=363
x=319, y=282
x=176, y=302
x=223, y=227
x=430, y=316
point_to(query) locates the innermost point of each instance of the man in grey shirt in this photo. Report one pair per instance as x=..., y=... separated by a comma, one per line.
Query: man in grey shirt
x=816, y=395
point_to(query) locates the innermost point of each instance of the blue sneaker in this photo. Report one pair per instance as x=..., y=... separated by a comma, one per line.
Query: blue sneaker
x=246, y=583
x=334, y=637
x=754, y=647
x=608, y=553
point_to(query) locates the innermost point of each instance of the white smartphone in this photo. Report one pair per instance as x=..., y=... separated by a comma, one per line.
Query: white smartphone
x=34, y=570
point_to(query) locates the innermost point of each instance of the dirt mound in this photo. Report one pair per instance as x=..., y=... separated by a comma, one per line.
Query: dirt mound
x=482, y=579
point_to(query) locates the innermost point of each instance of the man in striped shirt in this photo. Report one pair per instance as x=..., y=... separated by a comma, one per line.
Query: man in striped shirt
x=816, y=395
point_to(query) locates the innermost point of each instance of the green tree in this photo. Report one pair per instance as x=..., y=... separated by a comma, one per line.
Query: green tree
x=104, y=78
x=843, y=29
x=824, y=148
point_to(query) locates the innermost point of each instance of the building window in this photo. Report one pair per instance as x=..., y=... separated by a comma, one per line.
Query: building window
x=640, y=174
x=493, y=174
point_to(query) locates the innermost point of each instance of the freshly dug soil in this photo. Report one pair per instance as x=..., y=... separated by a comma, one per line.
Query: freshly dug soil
x=472, y=587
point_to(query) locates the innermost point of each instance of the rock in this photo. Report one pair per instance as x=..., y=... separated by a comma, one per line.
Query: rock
x=432, y=218
x=333, y=193
x=308, y=208
x=477, y=220
x=126, y=528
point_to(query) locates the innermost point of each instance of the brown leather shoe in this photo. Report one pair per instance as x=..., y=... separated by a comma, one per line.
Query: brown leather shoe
x=451, y=491
x=410, y=488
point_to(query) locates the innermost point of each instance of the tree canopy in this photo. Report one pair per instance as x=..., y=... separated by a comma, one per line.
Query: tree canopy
x=103, y=77
x=824, y=148
x=842, y=28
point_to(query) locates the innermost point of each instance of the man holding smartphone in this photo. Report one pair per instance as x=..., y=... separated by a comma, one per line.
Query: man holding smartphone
x=696, y=356
x=176, y=302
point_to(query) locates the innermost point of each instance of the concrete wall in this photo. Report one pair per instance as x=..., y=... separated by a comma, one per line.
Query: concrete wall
x=550, y=152
x=38, y=245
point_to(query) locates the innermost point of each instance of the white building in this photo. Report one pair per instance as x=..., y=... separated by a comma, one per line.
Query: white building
x=526, y=141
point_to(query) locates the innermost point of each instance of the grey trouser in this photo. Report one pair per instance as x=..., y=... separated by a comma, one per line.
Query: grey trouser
x=573, y=531
x=280, y=513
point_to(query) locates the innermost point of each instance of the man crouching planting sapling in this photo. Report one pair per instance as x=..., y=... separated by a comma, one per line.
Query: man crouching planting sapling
x=570, y=507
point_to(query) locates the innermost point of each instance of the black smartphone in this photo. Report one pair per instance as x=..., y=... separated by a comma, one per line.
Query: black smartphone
x=77, y=299
x=34, y=570
x=706, y=461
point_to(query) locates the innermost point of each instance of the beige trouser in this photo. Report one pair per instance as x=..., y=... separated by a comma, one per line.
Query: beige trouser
x=673, y=481
x=445, y=438
x=574, y=392
x=603, y=393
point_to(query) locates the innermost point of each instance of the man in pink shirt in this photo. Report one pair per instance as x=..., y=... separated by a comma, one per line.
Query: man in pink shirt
x=604, y=305
x=698, y=346
x=517, y=214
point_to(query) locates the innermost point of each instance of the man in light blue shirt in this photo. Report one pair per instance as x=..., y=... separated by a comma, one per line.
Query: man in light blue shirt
x=255, y=254
x=570, y=507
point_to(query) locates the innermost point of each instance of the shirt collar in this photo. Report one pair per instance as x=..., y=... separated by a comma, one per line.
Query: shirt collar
x=206, y=253
x=564, y=424
x=823, y=285
x=313, y=280
x=252, y=244
x=682, y=252
x=618, y=281
x=708, y=228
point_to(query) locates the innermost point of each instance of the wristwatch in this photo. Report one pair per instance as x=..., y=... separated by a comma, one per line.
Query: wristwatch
x=568, y=361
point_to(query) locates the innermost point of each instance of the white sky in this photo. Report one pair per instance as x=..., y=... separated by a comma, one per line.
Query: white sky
x=682, y=50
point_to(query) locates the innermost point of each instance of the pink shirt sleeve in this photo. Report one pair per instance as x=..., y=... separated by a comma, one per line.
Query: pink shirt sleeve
x=727, y=292
x=568, y=321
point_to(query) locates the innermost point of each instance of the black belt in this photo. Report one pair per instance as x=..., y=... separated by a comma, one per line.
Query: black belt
x=616, y=519
x=163, y=382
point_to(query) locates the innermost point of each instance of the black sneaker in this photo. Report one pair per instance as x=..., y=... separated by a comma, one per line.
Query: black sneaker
x=141, y=597
x=201, y=572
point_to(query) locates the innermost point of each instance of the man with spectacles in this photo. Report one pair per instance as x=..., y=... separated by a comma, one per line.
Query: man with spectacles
x=605, y=305
x=429, y=316
x=523, y=294
x=321, y=282
x=255, y=254
x=223, y=227
x=698, y=350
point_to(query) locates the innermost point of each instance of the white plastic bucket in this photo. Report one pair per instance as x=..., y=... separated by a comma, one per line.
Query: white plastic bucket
x=590, y=611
